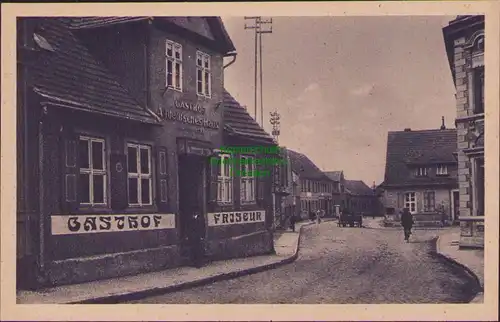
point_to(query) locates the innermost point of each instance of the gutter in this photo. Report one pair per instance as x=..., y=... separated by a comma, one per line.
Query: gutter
x=231, y=54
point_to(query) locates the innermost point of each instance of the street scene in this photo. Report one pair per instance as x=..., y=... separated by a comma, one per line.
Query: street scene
x=241, y=160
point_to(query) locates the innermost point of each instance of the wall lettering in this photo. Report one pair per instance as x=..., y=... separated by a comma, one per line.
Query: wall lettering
x=236, y=217
x=189, y=106
x=90, y=224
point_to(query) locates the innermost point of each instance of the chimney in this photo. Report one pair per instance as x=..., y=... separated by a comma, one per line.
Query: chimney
x=443, y=127
x=407, y=129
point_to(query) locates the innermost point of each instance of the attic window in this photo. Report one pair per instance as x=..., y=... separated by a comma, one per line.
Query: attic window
x=442, y=170
x=421, y=172
x=42, y=42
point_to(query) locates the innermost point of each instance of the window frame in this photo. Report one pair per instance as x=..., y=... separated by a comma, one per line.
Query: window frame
x=478, y=79
x=174, y=60
x=224, y=178
x=442, y=170
x=428, y=206
x=92, y=172
x=421, y=172
x=139, y=175
x=244, y=180
x=478, y=202
x=206, y=90
x=409, y=203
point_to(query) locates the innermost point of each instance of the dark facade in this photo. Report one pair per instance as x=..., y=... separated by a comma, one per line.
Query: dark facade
x=421, y=174
x=360, y=198
x=464, y=42
x=315, y=187
x=118, y=119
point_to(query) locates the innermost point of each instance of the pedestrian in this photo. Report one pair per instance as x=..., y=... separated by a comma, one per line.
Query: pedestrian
x=197, y=240
x=407, y=223
x=292, y=222
x=312, y=216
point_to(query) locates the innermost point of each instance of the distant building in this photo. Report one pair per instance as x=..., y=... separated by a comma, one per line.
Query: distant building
x=464, y=42
x=421, y=175
x=361, y=199
x=315, y=186
x=338, y=190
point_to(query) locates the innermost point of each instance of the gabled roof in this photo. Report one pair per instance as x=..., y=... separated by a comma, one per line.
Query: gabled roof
x=69, y=76
x=304, y=167
x=237, y=121
x=407, y=149
x=334, y=175
x=358, y=188
x=215, y=23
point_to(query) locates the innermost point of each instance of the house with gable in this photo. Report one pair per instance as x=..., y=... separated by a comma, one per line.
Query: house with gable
x=421, y=175
x=117, y=121
x=360, y=198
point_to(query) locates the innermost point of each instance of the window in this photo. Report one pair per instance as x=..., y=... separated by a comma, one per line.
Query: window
x=479, y=186
x=411, y=201
x=247, y=179
x=92, y=159
x=225, y=180
x=478, y=76
x=442, y=170
x=421, y=172
x=429, y=201
x=173, y=65
x=139, y=175
x=203, y=83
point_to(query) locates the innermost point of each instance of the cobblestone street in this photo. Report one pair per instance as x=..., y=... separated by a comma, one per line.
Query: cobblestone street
x=344, y=266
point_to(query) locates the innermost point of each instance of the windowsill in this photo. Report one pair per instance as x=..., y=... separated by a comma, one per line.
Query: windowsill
x=204, y=96
x=248, y=203
x=443, y=175
x=174, y=89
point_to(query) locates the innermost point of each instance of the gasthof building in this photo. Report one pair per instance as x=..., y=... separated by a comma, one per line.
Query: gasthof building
x=118, y=118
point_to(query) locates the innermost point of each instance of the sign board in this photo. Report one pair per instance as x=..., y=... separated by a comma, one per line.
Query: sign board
x=104, y=223
x=236, y=217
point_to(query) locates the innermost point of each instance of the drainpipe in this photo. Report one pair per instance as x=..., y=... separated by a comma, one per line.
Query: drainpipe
x=231, y=54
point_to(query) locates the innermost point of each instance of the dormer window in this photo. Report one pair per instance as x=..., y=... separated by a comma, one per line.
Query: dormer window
x=421, y=172
x=203, y=83
x=173, y=68
x=442, y=170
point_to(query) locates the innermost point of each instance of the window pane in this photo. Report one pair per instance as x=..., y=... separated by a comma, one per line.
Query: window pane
x=145, y=161
x=98, y=189
x=132, y=160
x=178, y=75
x=97, y=154
x=169, y=72
x=169, y=49
x=206, y=61
x=84, y=188
x=199, y=80
x=207, y=83
x=198, y=60
x=132, y=191
x=177, y=53
x=145, y=191
x=84, y=154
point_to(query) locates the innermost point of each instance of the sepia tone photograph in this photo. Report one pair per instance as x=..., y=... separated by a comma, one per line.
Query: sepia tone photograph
x=252, y=159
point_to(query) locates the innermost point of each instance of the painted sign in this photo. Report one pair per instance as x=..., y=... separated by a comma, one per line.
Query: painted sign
x=236, y=217
x=189, y=106
x=104, y=223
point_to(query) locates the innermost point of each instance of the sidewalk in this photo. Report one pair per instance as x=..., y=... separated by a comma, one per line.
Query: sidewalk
x=472, y=260
x=118, y=289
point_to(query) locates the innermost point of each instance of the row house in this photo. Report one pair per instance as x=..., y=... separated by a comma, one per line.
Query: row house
x=118, y=118
x=360, y=198
x=338, y=191
x=464, y=43
x=421, y=175
x=315, y=187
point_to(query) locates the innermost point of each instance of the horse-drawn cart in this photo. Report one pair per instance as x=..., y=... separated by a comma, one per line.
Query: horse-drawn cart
x=353, y=220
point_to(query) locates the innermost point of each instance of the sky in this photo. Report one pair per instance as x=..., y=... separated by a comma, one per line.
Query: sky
x=341, y=83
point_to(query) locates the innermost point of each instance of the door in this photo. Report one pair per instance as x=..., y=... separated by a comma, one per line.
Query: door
x=456, y=205
x=191, y=200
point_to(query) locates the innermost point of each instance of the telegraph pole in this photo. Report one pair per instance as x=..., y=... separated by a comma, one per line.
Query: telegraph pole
x=256, y=27
x=260, y=32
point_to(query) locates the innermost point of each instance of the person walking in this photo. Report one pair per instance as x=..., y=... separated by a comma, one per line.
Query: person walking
x=407, y=223
x=292, y=222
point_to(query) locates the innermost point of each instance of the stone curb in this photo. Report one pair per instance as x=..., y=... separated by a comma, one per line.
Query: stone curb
x=136, y=295
x=455, y=263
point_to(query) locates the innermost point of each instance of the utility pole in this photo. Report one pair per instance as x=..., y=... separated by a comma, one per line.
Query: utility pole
x=258, y=57
x=260, y=32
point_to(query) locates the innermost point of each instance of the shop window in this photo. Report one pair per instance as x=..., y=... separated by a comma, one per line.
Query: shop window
x=478, y=90
x=442, y=170
x=421, y=172
x=225, y=180
x=410, y=201
x=203, y=74
x=93, y=176
x=247, y=179
x=173, y=60
x=139, y=175
x=429, y=201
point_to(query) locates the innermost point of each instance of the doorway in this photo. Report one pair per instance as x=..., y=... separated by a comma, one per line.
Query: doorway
x=192, y=195
x=455, y=206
